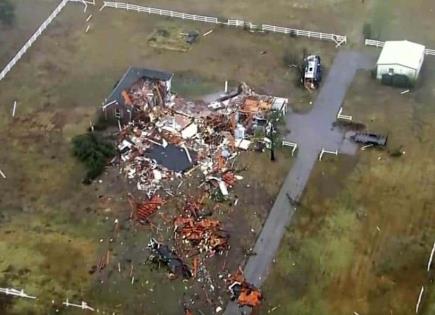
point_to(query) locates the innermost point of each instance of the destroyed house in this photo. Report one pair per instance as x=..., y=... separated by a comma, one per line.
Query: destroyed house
x=138, y=89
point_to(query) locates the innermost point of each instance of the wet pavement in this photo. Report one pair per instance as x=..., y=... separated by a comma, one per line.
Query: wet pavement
x=312, y=132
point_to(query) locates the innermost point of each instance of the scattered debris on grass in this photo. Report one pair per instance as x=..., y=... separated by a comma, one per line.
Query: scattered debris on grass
x=162, y=253
x=242, y=291
x=179, y=157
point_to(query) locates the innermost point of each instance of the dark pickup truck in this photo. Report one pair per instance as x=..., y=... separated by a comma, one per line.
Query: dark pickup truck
x=367, y=138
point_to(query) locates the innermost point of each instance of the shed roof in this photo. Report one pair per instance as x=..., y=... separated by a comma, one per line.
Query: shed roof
x=405, y=53
x=131, y=76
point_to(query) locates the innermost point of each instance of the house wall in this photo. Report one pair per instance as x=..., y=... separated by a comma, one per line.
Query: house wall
x=412, y=74
x=420, y=65
x=112, y=112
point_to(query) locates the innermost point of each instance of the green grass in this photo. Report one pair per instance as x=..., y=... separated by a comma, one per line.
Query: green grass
x=362, y=238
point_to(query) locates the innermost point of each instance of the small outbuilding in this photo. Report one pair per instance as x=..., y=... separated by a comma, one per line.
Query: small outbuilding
x=400, y=59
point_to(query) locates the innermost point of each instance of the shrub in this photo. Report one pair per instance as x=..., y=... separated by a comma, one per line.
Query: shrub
x=7, y=12
x=94, y=152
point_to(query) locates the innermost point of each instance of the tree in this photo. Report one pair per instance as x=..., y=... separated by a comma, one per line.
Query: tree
x=94, y=152
x=7, y=12
x=273, y=133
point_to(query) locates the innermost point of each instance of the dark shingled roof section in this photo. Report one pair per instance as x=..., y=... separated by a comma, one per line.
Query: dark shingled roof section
x=132, y=75
x=172, y=157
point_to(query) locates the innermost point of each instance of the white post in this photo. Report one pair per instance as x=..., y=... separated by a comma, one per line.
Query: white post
x=226, y=87
x=207, y=33
x=290, y=144
x=119, y=125
x=341, y=116
x=326, y=151
x=431, y=257
x=2, y=174
x=417, y=307
x=14, y=108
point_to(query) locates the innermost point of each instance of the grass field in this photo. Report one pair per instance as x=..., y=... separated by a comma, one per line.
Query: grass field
x=51, y=225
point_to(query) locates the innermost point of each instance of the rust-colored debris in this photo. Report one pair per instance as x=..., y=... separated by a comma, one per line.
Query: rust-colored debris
x=229, y=178
x=127, y=99
x=204, y=233
x=242, y=291
x=163, y=140
x=196, y=262
x=187, y=311
x=142, y=211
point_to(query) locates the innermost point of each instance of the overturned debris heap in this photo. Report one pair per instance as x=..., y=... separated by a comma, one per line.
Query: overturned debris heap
x=242, y=291
x=162, y=253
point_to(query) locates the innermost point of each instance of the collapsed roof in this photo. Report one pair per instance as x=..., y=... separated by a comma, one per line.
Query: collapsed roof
x=133, y=75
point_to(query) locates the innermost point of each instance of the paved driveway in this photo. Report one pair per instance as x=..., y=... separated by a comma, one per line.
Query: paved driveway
x=312, y=131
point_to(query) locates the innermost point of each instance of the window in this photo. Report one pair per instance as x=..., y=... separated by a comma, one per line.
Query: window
x=117, y=113
x=391, y=71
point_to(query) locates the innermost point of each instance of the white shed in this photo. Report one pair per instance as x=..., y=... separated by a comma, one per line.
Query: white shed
x=401, y=57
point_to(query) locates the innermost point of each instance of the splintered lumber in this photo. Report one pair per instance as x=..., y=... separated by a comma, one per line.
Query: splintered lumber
x=142, y=211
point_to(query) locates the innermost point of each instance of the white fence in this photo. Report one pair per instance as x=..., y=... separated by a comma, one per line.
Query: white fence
x=32, y=39
x=377, y=43
x=175, y=14
x=338, y=39
x=236, y=23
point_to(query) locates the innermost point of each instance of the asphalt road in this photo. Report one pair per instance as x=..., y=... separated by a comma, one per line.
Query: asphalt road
x=312, y=132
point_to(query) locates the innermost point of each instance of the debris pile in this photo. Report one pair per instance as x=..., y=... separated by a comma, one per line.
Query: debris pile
x=163, y=254
x=169, y=142
x=205, y=234
x=170, y=136
x=145, y=94
x=242, y=291
x=141, y=211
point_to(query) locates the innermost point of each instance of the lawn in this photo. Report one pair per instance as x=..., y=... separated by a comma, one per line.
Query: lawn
x=54, y=229
x=363, y=235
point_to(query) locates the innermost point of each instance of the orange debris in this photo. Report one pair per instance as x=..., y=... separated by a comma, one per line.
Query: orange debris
x=142, y=211
x=202, y=231
x=245, y=293
x=229, y=178
x=127, y=99
x=195, y=266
